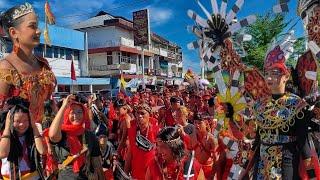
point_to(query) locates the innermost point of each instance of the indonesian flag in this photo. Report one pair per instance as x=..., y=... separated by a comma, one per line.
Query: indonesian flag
x=73, y=72
x=49, y=14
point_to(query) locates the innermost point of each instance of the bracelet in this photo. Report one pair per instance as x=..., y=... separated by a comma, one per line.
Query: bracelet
x=5, y=136
x=39, y=136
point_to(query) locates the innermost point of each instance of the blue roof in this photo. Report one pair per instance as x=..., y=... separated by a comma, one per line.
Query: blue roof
x=64, y=37
x=83, y=81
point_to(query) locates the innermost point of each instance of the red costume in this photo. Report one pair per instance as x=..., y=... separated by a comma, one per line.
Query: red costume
x=141, y=158
x=173, y=170
x=36, y=87
x=169, y=120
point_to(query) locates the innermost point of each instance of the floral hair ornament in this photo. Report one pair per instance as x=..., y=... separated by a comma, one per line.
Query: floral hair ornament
x=145, y=107
x=22, y=10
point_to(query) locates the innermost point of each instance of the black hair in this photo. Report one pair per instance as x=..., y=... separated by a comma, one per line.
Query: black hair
x=16, y=149
x=119, y=103
x=211, y=102
x=172, y=137
x=7, y=20
x=48, y=111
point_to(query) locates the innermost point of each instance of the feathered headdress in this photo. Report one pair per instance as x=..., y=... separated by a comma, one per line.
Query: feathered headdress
x=279, y=52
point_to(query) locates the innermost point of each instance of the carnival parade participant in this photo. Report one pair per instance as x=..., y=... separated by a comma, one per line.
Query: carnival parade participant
x=122, y=110
x=97, y=111
x=76, y=148
x=182, y=115
x=282, y=128
x=171, y=160
x=205, y=145
x=142, y=136
x=107, y=150
x=21, y=72
x=21, y=144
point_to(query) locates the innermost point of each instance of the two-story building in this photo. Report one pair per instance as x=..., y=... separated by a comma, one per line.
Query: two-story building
x=112, y=52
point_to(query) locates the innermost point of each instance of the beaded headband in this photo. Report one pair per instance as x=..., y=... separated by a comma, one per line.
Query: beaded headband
x=22, y=10
x=171, y=141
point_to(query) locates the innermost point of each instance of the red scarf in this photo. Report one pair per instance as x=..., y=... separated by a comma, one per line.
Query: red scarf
x=73, y=132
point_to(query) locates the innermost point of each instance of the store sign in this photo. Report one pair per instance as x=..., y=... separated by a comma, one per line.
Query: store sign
x=142, y=27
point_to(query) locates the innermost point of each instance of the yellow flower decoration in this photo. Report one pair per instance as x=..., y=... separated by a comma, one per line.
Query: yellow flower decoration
x=233, y=101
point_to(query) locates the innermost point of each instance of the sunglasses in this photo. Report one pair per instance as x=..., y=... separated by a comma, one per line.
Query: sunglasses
x=274, y=73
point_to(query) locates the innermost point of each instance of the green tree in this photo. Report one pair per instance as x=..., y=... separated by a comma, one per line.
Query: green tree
x=263, y=31
x=299, y=49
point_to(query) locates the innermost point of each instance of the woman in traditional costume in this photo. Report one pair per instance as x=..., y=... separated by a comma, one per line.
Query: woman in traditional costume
x=122, y=110
x=171, y=160
x=77, y=149
x=21, y=144
x=142, y=137
x=21, y=72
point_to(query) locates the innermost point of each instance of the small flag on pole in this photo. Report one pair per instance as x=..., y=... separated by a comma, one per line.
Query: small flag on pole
x=49, y=14
x=123, y=83
x=46, y=36
x=73, y=72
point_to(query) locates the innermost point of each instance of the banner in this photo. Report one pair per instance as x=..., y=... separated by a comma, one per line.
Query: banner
x=142, y=27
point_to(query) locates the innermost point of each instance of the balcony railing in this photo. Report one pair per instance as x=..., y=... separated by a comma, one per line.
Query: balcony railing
x=112, y=43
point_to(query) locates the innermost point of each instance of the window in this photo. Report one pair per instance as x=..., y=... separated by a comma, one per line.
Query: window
x=56, y=52
x=76, y=55
x=62, y=53
x=109, y=58
x=48, y=52
x=68, y=54
x=38, y=51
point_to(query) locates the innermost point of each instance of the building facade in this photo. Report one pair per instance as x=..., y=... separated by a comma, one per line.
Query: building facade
x=111, y=51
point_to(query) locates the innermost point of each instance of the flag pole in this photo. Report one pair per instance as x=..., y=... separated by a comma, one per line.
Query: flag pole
x=46, y=26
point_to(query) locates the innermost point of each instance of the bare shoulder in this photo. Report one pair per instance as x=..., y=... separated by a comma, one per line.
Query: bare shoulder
x=4, y=64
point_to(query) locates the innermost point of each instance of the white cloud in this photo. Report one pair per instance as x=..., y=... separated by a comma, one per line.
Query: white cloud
x=159, y=15
x=67, y=12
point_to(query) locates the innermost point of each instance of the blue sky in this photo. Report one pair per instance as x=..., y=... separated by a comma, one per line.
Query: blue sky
x=168, y=17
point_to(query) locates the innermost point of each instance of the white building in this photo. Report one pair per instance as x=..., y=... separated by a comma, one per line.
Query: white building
x=111, y=51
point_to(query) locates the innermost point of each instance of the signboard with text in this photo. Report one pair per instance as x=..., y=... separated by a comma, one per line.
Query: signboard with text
x=142, y=27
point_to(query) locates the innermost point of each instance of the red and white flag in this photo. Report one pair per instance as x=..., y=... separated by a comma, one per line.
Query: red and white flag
x=73, y=72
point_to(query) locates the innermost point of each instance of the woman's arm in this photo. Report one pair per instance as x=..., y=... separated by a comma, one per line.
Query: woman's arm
x=5, y=139
x=38, y=139
x=55, y=128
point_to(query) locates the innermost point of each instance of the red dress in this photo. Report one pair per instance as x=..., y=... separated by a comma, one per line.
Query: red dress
x=169, y=120
x=141, y=158
x=36, y=87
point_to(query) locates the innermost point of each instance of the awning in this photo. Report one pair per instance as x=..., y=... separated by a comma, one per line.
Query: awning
x=83, y=81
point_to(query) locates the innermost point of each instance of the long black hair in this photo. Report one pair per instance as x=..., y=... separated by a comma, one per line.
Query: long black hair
x=171, y=137
x=16, y=148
